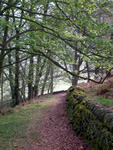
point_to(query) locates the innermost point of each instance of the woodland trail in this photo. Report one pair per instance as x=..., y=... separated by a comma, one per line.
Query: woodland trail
x=55, y=131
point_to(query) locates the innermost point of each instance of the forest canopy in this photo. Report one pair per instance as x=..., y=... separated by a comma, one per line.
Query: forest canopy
x=36, y=36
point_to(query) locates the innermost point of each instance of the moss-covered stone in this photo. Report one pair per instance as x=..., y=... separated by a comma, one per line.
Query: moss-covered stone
x=90, y=119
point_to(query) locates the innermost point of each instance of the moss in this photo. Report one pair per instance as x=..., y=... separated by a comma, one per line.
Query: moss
x=87, y=118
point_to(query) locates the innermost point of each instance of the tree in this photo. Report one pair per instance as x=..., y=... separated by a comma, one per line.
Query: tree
x=65, y=33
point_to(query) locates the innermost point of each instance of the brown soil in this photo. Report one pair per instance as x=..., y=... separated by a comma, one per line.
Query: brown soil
x=56, y=132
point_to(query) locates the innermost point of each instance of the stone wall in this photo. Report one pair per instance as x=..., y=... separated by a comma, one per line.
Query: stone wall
x=90, y=119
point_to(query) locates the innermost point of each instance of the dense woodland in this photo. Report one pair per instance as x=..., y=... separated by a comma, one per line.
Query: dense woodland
x=41, y=41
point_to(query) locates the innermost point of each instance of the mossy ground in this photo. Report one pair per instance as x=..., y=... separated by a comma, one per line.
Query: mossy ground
x=21, y=122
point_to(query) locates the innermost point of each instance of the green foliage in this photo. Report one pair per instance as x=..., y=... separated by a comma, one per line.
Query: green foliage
x=104, y=101
x=55, y=30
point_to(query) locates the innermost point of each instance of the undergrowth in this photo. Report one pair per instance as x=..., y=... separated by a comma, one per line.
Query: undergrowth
x=15, y=125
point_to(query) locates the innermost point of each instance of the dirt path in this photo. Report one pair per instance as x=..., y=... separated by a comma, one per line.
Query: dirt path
x=55, y=131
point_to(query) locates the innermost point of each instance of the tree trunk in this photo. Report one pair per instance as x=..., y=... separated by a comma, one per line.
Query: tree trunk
x=11, y=78
x=45, y=79
x=4, y=43
x=30, y=78
x=75, y=81
x=96, y=72
x=16, y=93
x=39, y=72
x=37, y=77
x=76, y=67
x=2, y=90
x=88, y=72
x=51, y=83
x=23, y=82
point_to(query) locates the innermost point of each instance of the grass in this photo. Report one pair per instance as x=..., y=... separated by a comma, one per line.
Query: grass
x=16, y=125
x=101, y=99
x=93, y=91
x=46, y=97
x=104, y=101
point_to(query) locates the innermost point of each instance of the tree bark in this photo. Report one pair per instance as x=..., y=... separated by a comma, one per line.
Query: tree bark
x=51, y=83
x=88, y=72
x=3, y=43
x=2, y=89
x=75, y=68
x=30, y=78
x=45, y=79
x=16, y=94
x=11, y=78
x=96, y=72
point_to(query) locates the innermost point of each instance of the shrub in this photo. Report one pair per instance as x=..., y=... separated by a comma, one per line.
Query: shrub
x=104, y=88
x=5, y=110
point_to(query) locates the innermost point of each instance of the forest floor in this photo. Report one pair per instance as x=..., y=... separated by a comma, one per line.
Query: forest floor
x=40, y=125
x=102, y=93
